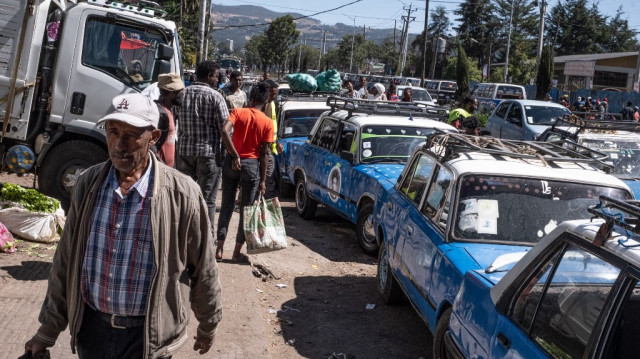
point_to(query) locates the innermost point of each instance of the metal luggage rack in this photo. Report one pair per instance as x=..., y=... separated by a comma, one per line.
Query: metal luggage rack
x=393, y=108
x=449, y=145
x=308, y=96
x=624, y=214
x=584, y=124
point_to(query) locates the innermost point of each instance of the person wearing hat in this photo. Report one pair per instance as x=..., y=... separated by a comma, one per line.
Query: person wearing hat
x=136, y=248
x=170, y=86
x=377, y=91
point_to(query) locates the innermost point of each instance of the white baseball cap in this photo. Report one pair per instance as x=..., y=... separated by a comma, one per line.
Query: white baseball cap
x=134, y=109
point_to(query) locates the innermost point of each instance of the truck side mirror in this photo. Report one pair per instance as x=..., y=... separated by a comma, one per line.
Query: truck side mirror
x=162, y=64
x=165, y=52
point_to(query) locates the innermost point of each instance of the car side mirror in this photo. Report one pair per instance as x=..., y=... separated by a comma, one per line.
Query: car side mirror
x=348, y=156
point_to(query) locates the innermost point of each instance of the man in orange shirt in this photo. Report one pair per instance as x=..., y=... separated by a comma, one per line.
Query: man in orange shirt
x=245, y=164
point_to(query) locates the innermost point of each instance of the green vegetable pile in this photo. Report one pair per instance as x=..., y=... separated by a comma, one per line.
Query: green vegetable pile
x=29, y=198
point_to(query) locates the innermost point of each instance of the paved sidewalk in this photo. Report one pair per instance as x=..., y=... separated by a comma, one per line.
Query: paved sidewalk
x=23, y=283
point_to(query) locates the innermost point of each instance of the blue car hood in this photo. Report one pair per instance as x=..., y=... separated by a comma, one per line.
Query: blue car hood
x=386, y=173
x=484, y=255
x=634, y=185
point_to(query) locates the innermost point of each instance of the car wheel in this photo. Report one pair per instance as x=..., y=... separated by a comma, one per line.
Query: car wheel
x=439, y=346
x=365, y=232
x=305, y=206
x=387, y=284
x=64, y=164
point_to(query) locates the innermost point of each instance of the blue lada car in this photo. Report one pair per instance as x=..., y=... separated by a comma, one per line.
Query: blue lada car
x=466, y=203
x=576, y=294
x=296, y=119
x=354, y=155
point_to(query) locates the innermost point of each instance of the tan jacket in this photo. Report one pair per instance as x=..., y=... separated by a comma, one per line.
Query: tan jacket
x=185, y=266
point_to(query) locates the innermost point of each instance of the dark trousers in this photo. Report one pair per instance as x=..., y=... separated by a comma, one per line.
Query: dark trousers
x=97, y=339
x=248, y=178
x=273, y=178
x=207, y=174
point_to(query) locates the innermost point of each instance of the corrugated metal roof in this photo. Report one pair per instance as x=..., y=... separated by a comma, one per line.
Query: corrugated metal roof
x=593, y=57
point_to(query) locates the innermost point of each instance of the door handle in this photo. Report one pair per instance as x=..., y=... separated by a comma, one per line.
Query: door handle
x=409, y=229
x=504, y=340
x=327, y=163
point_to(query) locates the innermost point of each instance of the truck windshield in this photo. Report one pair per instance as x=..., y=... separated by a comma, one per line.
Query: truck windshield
x=623, y=152
x=390, y=143
x=298, y=123
x=521, y=210
x=125, y=52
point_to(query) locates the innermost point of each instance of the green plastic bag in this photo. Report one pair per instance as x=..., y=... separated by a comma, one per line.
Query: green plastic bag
x=328, y=81
x=264, y=226
x=302, y=82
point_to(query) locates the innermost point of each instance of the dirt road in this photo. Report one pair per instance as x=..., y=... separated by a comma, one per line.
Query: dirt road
x=316, y=309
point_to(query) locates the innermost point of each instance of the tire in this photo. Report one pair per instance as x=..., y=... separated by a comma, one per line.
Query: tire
x=305, y=206
x=387, y=284
x=365, y=232
x=62, y=166
x=439, y=346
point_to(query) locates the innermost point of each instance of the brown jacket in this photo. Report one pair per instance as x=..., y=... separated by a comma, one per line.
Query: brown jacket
x=186, y=269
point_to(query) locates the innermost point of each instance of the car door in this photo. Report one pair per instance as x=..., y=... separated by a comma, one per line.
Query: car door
x=340, y=173
x=497, y=119
x=512, y=126
x=426, y=229
x=557, y=310
x=318, y=157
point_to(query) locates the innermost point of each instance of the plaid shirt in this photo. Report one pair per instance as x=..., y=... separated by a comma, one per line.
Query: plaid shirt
x=200, y=118
x=118, y=263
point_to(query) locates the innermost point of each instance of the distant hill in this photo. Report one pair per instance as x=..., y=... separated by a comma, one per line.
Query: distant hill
x=311, y=29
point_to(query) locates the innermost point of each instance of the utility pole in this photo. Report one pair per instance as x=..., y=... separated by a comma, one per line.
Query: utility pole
x=424, y=48
x=543, y=11
x=432, y=73
x=506, y=63
x=324, y=38
x=395, y=25
x=352, y=40
x=201, y=30
x=405, y=39
x=300, y=53
x=490, y=55
x=364, y=32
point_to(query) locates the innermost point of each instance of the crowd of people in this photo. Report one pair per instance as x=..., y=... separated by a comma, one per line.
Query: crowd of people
x=597, y=109
x=376, y=92
x=139, y=241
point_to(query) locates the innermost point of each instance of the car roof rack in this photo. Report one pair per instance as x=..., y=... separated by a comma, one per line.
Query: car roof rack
x=307, y=96
x=393, y=108
x=447, y=145
x=624, y=214
x=588, y=124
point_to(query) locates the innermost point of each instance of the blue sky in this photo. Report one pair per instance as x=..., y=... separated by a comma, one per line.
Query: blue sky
x=382, y=13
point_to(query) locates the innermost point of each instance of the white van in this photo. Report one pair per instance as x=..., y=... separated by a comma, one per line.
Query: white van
x=489, y=95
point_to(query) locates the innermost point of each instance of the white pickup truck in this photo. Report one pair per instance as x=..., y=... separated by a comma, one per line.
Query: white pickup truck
x=61, y=63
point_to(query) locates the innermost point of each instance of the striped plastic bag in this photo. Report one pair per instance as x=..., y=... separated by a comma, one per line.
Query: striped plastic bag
x=264, y=226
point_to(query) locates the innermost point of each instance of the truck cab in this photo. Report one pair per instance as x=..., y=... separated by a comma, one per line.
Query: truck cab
x=66, y=61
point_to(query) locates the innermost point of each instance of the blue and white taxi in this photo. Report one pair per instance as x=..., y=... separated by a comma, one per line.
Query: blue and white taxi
x=467, y=203
x=353, y=155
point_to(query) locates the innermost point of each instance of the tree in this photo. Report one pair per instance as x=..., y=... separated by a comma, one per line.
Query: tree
x=449, y=71
x=280, y=36
x=620, y=38
x=438, y=27
x=476, y=25
x=363, y=51
x=252, y=51
x=545, y=73
x=577, y=29
x=462, y=73
x=524, y=37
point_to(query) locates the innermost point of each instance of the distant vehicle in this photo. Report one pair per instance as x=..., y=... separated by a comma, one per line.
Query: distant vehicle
x=524, y=119
x=491, y=94
x=413, y=81
x=283, y=90
x=443, y=91
x=313, y=73
x=354, y=153
x=226, y=63
x=574, y=295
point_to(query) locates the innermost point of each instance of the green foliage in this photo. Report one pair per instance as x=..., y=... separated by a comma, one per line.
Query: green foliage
x=545, y=73
x=438, y=27
x=475, y=74
x=476, y=22
x=462, y=73
x=29, y=198
x=279, y=38
x=482, y=117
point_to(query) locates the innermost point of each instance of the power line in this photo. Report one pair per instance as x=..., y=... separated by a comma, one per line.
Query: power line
x=296, y=18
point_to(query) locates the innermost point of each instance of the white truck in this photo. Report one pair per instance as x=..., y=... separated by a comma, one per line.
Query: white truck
x=61, y=63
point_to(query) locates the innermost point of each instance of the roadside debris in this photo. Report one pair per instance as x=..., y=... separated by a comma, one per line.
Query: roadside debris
x=370, y=306
x=261, y=271
x=280, y=285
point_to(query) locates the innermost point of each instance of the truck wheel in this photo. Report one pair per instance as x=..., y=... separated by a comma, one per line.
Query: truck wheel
x=387, y=284
x=439, y=346
x=62, y=166
x=365, y=232
x=305, y=206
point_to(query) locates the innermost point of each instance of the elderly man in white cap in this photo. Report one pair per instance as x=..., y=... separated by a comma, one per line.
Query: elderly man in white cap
x=377, y=91
x=136, y=248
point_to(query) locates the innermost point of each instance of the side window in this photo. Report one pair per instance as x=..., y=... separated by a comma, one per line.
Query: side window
x=437, y=191
x=622, y=343
x=560, y=305
x=326, y=134
x=416, y=180
x=347, y=135
x=515, y=114
x=502, y=109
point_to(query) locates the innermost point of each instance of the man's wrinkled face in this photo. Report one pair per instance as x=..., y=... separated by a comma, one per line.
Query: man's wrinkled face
x=129, y=145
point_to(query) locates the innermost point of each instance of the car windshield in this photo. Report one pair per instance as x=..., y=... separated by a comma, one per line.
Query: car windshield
x=509, y=92
x=418, y=94
x=544, y=115
x=390, y=143
x=624, y=154
x=448, y=86
x=522, y=210
x=298, y=123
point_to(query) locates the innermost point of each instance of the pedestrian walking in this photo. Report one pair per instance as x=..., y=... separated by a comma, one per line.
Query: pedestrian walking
x=233, y=94
x=133, y=252
x=170, y=86
x=273, y=185
x=636, y=114
x=200, y=117
x=627, y=112
x=245, y=164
